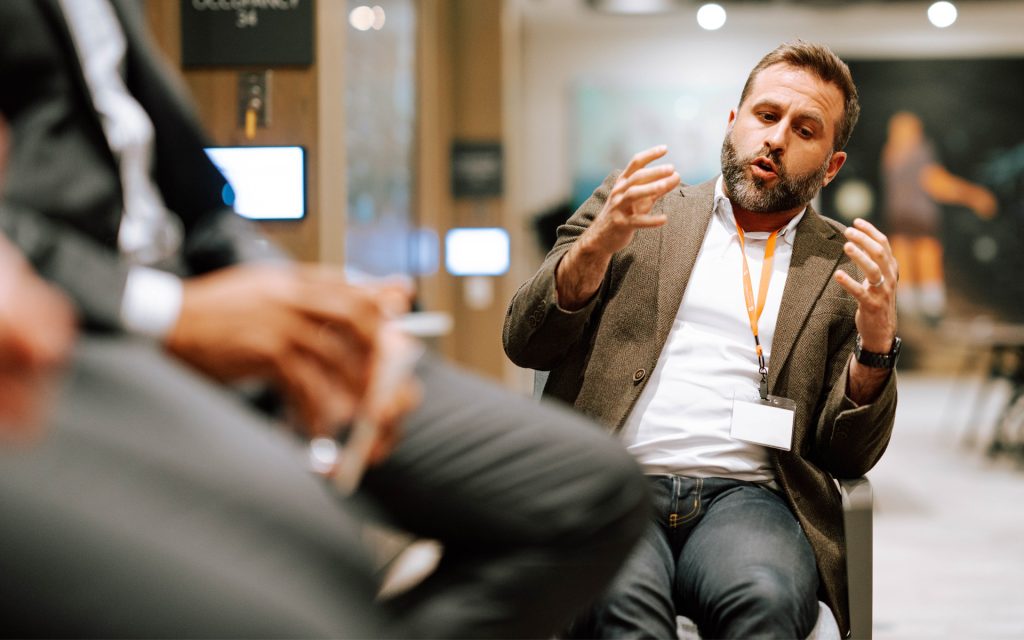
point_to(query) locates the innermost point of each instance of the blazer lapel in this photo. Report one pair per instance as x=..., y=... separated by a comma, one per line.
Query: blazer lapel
x=55, y=16
x=689, y=212
x=816, y=254
x=53, y=13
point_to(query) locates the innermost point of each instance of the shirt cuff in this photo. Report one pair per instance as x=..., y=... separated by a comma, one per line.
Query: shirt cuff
x=152, y=302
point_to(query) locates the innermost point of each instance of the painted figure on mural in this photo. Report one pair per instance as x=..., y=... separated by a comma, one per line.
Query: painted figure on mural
x=914, y=185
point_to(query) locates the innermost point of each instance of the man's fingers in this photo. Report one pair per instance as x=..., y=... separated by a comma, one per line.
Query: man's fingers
x=871, y=230
x=337, y=351
x=320, y=406
x=647, y=221
x=870, y=248
x=852, y=287
x=653, y=190
x=406, y=398
x=871, y=269
x=324, y=296
x=644, y=176
x=643, y=159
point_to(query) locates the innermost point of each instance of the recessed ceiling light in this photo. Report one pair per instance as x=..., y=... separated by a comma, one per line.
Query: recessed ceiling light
x=711, y=16
x=942, y=14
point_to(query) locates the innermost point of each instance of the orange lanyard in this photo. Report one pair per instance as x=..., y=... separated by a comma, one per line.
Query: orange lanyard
x=754, y=310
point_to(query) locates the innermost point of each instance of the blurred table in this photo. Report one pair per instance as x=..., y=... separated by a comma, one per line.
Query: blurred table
x=996, y=349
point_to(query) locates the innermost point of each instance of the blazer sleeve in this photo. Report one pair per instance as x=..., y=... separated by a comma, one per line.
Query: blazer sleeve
x=850, y=438
x=223, y=238
x=92, y=274
x=537, y=332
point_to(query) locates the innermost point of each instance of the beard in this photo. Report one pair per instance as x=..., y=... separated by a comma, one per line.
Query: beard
x=753, y=194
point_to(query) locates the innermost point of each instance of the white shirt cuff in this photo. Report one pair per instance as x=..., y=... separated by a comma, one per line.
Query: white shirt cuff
x=152, y=302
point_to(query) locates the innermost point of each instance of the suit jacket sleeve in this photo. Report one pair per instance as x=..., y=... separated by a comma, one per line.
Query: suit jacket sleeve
x=538, y=332
x=91, y=274
x=850, y=438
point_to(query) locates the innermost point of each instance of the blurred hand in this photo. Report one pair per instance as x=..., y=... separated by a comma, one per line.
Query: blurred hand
x=302, y=327
x=37, y=328
x=984, y=203
x=394, y=294
x=393, y=390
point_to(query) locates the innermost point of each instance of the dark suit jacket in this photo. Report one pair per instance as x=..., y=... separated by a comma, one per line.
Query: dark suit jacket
x=62, y=201
x=601, y=356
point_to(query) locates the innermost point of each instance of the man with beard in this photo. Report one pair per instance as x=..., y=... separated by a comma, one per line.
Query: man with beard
x=742, y=346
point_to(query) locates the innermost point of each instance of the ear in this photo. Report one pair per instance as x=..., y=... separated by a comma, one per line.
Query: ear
x=732, y=120
x=835, y=163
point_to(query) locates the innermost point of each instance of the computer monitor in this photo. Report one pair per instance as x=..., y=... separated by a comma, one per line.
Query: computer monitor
x=266, y=183
x=477, y=251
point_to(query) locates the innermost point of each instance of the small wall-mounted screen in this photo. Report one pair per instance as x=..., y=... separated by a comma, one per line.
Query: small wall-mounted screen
x=482, y=251
x=266, y=183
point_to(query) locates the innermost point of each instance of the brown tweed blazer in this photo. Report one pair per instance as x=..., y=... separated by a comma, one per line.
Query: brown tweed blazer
x=600, y=357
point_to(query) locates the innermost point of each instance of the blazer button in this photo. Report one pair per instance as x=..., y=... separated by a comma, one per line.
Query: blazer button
x=638, y=375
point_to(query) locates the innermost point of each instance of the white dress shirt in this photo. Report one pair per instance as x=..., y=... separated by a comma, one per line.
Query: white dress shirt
x=680, y=425
x=147, y=234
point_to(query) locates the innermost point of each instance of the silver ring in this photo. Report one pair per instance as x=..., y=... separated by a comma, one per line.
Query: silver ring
x=881, y=281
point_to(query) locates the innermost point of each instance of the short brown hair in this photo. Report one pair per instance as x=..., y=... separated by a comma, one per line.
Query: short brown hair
x=825, y=64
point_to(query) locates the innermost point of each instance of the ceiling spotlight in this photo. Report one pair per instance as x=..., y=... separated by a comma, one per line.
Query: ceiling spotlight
x=361, y=18
x=378, y=18
x=942, y=14
x=711, y=16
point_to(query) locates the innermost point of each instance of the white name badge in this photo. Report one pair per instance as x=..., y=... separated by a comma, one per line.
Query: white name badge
x=765, y=422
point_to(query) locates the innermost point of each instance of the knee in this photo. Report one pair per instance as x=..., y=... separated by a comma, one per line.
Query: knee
x=768, y=600
x=608, y=496
x=621, y=493
x=772, y=587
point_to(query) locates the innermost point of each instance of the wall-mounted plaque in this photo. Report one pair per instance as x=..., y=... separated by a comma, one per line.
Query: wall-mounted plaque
x=246, y=32
x=476, y=169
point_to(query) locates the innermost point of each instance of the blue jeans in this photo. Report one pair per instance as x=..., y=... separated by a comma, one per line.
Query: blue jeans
x=728, y=554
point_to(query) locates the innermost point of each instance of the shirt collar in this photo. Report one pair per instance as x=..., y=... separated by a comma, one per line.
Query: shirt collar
x=723, y=211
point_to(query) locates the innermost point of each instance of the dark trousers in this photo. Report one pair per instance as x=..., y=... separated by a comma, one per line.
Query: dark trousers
x=162, y=506
x=727, y=554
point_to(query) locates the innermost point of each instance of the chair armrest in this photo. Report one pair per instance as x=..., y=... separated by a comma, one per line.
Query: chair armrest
x=858, y=505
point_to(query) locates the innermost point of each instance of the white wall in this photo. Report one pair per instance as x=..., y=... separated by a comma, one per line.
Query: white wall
x=561, y=41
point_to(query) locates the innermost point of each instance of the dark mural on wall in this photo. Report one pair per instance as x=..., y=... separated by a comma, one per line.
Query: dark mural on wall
x=937, y=162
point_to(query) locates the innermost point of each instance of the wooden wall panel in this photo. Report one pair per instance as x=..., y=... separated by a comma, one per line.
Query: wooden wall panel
x=459, y=89
x=434, y=130
x=477, y=98
x=293, y=110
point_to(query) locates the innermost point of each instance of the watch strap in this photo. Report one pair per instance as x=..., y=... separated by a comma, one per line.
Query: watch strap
x=878, y=360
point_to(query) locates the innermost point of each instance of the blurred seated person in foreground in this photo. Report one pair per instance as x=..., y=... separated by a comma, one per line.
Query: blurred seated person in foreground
x=163, y=505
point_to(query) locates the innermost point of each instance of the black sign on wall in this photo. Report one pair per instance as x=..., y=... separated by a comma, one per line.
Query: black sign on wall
x=246, y=32
x=476, y=169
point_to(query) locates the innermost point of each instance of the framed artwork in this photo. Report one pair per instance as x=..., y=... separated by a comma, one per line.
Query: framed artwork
x=611, y=121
